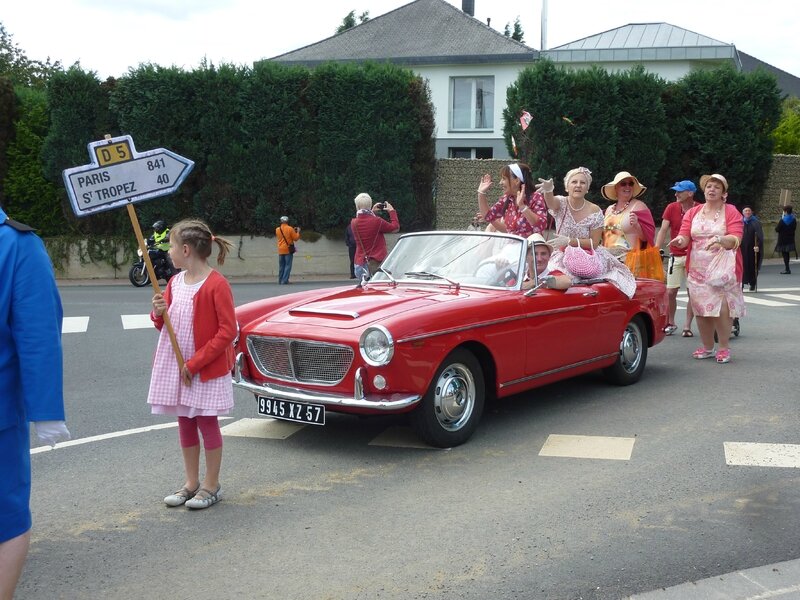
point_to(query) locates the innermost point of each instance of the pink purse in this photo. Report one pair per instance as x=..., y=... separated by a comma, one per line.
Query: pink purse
x=582, y=263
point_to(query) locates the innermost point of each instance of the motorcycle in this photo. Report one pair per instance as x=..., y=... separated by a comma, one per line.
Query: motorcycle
x=161, y=265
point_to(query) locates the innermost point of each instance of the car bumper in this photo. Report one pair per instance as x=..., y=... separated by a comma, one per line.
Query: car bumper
x=359, y=400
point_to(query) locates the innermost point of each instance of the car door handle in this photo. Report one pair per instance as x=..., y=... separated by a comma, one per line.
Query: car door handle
x=590, y=293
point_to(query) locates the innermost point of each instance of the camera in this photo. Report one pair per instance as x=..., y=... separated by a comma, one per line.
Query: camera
x=381, y=206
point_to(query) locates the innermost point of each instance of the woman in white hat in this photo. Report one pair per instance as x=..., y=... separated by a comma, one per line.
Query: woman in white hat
x=706, y=231
x=629, y=228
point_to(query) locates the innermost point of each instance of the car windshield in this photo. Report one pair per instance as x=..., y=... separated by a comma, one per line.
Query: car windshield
x=465, y=258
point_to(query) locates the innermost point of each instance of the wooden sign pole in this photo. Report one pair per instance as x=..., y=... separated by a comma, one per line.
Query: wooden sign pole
x=154, y=280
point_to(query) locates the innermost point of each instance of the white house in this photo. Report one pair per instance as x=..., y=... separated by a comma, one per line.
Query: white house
x=469, y=66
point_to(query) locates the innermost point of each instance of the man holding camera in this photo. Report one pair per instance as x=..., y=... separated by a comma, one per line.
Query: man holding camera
x=368, y=230
x=286, y=236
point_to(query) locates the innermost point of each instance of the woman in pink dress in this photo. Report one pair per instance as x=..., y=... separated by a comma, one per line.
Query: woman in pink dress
x=199, y=303
x=707, y=230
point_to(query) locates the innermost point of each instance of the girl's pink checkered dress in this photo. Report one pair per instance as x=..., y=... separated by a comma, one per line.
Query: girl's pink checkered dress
x=168, y=396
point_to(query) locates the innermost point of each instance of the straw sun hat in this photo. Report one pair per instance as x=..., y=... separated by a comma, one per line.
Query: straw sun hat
x=609, y=190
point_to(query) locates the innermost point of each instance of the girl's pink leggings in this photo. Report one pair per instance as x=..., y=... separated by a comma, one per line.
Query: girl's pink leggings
x=208, y=426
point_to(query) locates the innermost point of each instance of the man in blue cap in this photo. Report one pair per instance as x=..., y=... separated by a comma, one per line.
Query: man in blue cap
x=676, y=268
x=31, y=382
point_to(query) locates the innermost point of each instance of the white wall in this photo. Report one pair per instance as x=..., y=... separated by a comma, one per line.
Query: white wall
x=439, y=81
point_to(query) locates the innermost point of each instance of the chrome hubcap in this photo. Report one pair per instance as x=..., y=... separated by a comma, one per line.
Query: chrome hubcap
x=454, y=398
x=630, y=348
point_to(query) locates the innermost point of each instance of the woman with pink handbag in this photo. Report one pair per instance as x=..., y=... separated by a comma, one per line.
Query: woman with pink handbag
x=579, y=229
x=712, y=233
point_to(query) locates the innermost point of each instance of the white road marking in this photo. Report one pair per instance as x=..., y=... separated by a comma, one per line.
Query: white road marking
x=588, y=446
x=793, y=297
x=264, y=427
x=762, y=455
x=136, y=322
x=106, y=436
x=400, y=437
x=74, y=324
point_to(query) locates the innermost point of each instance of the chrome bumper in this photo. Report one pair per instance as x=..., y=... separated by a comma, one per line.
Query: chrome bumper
x=388, y=402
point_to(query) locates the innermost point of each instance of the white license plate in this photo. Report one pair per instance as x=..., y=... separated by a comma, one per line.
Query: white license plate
x=289, y=410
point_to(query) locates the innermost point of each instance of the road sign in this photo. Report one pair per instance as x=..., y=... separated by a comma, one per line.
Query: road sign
x=119, y=175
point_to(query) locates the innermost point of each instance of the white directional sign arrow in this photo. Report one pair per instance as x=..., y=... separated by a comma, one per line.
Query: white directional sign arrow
x=119, y=175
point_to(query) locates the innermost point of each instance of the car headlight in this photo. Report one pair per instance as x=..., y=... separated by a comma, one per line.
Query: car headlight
x=376, y=346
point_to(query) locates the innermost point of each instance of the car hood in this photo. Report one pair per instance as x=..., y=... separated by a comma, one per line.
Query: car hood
x=357, y=308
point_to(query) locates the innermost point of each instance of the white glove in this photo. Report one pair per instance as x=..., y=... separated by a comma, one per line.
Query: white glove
x=545, y=185
x=51, y=432
x=558, y=242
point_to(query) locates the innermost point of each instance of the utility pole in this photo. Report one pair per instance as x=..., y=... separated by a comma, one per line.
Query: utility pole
x=543, y=45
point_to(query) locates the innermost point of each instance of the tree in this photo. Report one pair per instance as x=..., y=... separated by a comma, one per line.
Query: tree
x=350, y=20
x=787, y=134
x=21, y=70
x=517, y=34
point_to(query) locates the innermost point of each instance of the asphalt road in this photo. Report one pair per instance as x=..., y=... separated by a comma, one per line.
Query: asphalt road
x=350, y=511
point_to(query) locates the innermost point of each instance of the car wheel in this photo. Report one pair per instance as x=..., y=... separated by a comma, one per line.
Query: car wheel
x=138, y=275
x=452, y=406
x=632, y=356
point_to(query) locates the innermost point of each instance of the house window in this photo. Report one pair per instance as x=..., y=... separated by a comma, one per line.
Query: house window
x=470, y=153
x=472, y=103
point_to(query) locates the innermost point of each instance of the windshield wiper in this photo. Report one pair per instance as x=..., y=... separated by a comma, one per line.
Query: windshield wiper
x=433, y=276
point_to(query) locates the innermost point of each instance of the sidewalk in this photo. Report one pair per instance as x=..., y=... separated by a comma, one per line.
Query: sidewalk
x=780, y=580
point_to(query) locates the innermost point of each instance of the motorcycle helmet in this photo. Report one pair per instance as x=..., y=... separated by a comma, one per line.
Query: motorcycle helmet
x=159, y=226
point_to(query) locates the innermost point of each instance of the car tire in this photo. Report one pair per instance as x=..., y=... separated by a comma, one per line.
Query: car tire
x=451, y=408
x=138, y=275
x=632, y=356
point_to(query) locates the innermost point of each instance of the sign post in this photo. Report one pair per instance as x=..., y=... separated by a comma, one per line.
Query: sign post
x=118, y=175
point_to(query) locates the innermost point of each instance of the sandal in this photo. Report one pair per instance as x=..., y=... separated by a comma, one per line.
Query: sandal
x=702, y=353
x=204, y=498
x=670, y=329
x=724, y=356
x=181, y=496
x=687, y=333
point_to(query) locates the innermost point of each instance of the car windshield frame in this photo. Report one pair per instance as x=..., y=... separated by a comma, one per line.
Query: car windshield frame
x=460, y=258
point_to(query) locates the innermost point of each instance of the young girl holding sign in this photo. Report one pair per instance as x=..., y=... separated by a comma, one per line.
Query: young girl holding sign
x=199, y=302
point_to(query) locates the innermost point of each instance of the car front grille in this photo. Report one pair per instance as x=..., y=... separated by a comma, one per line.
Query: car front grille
x=301, y=361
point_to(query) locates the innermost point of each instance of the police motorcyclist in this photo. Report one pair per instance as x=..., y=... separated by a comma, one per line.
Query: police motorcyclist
x=161, y=242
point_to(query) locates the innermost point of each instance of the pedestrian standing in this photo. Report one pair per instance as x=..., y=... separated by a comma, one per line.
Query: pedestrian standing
x=786, y=228
x=286, y=236
x=31, y=383
x=676, y=265
x=368, y=230
x=752, y=248
x=199, y=302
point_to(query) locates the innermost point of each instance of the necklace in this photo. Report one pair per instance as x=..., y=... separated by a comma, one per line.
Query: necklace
x=619, y=212
x=573, y=209
x=716, y=214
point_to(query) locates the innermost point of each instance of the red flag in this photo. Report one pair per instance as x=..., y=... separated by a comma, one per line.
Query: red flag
x=525, y=119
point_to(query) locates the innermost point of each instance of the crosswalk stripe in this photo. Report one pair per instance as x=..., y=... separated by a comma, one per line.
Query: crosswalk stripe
x=751, y=454
x=765, y=302
x=136, y=322
x=588, y=446
x=793, y=297
x=74, y=324
x=265, y=428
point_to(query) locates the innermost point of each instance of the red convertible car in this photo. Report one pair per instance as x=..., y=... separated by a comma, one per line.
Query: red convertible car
x=444, y=326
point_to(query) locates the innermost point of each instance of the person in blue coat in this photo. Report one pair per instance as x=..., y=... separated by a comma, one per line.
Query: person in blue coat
x=31, y=382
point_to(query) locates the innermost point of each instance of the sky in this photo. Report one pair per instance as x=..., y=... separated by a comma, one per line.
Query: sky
x=111, y=36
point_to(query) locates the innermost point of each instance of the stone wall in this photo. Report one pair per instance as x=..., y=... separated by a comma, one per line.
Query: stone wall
x=456, y=204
